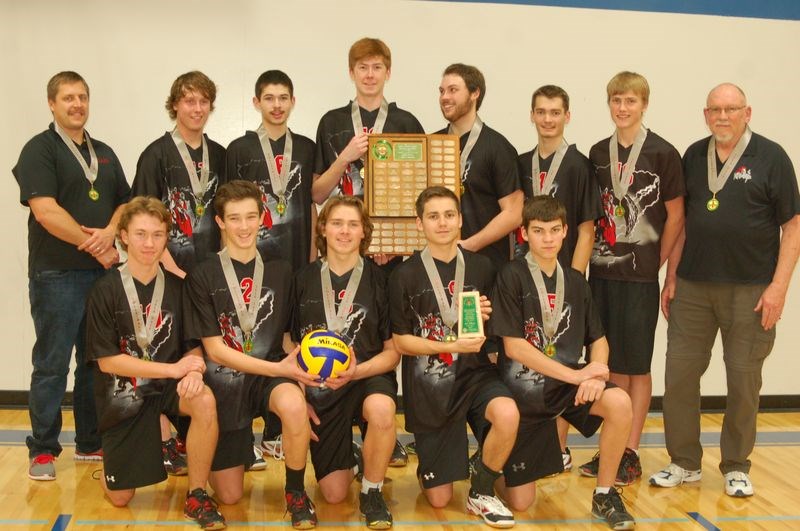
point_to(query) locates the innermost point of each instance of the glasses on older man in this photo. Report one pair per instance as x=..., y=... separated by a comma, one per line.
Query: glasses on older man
x=716, y=111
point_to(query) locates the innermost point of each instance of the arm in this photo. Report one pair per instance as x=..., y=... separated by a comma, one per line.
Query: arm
x=518, y=349
x=126, y=365
x=313, y=254
x=170, y=264
x=509, y=218
x=672, y=227
x=381, y=363
x=323, y=184
x=411, y=345
x=771, y=302
x=583, y=247
x=100, y=240
x=668, y=292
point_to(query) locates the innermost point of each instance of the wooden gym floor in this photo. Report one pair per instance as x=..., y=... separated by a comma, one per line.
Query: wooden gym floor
x=75, y=502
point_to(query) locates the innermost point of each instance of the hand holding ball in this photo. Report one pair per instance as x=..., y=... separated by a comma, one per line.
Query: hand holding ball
x=323, y=353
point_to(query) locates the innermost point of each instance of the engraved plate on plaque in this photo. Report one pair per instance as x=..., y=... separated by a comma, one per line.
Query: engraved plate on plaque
x=470, y=322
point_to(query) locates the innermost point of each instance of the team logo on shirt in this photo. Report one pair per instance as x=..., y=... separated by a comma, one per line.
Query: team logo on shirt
x=353, y=323
x=127, y=386
x=232, y=334
x=742, y=173
x=439, y=365
x=271, y=200
x=183, y=208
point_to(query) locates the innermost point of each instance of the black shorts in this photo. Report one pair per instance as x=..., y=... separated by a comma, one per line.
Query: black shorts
x=629, y=312
x=444, y=453
x=560, y=400
x=536, y=453
x=132, y=449
x=334, y=451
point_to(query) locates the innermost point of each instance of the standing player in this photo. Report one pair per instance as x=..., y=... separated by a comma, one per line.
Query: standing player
x=346, y=293
x=134, y=335
x=447, y=380
x=491, y=198
x=641, y=188
x=183, y=168
x=240, y=309
x=74, y=186
x=545, y=314
x=558, y=169
x=280, y=163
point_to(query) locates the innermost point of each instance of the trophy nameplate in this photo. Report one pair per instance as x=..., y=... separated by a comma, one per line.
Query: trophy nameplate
x=470, y=321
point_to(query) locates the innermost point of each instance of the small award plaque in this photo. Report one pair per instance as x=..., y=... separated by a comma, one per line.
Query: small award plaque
x=470, y=321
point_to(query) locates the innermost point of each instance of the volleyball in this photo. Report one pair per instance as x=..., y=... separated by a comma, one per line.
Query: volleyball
x=323, y=353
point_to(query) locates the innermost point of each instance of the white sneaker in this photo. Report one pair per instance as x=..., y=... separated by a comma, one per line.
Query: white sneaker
x=673, y=475
x=566, y=459
x=491, y=509
x=259, y=463
x=273, y=448
x=738, y=484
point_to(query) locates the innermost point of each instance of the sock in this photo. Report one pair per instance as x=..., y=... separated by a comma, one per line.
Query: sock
x=483, y=479
x=602, y=490
x=366, y=485
x=295, y=479
x=636, y=451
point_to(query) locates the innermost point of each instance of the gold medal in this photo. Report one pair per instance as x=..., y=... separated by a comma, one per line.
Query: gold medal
x=361, y=172
x=199, y=209
x=94, y=195
x=449, y=338
x=550, y=350
x=463, y=189
x=281, y=208
x=248, y=346
x=712, y=204
x=619, y=211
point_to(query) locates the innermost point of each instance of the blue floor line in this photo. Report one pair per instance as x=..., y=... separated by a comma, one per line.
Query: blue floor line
x=700, y=519
x=61, y=522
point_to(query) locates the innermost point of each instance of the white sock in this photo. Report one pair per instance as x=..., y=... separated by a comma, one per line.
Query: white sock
x=602, y=490
x=367, y=484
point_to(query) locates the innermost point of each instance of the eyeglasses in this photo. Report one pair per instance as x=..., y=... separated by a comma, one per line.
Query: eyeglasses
x=716, y=111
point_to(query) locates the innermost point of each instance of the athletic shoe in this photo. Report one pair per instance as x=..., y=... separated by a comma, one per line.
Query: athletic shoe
x=259, y=463
x=628, y=471
x=174, y=462
x=411, y=448
x=273, y=447
x=300, y=506
x=566, y=459
x=399, y=455
x=202, y=508
x=97, y=455
x=42, y=468
x=738, y=484
x=358, y=470
x=374, y=509
x=473, y=462
x=590, y=468
x=181, y=445
x=490, y=508
x=673, y=475
x=610, y=508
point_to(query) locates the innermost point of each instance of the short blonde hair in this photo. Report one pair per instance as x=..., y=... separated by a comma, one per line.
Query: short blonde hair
x=625, y=81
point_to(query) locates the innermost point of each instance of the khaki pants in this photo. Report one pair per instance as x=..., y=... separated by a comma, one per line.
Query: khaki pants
x=697, y=312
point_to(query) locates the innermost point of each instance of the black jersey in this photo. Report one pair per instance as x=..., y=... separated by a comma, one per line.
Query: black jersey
x=210, y=312
x=434, y=387
x=367, y=325
x=47, y=168
x=110, y=331
x=628, y=247
x=516, y=313
x=490, y=173
x=574, y=186
x=335, y=131
x=287, y=235
x=161, y=173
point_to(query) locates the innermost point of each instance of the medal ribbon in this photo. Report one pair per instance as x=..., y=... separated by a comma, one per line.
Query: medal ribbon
x=337, y=319
x=198, y=186
x=550, y=317
x=145, y=331
x=621, y=181
x=245, y=313
x=474, y=133
x=449, y=312
x=544, y=188
x=278, y=179
x=89, y=171
x=380, y=121
x=716, y=182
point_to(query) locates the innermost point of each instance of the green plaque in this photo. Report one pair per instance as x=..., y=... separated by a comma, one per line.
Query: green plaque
x=407, y=151
x=470, y=321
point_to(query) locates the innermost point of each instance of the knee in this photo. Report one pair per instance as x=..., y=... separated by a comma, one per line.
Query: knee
x=437, y=498
x=618, y=405
x=333, y=494
x=204, y=406
x=228, y=496
x=120, y=498
x=521, y=501
x=503, y=414
x=379, y=411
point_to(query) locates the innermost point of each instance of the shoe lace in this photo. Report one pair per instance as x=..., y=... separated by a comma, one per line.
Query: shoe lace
x=738, y=477
x=296, y=502
x=493, y=503
x=206, y=503
x=615, y=498
x=374, y=501
x=172, y=450
x=277, y=448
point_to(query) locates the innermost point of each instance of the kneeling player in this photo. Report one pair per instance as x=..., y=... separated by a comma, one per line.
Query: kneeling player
x=240, y=309
x=134, y=335
x=447, y=380
x=545, y=316
x=346, y=293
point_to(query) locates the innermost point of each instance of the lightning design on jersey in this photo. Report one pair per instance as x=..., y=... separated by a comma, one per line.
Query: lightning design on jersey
x=232, y=334
x=534, y=334
x=181, y=203
x=127, y=386
x=270, y=199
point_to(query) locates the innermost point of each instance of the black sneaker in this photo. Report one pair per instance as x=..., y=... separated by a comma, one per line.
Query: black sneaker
x=399, y=455
x=374, y=509
x=610, y=508
x=174, y=462
x=473, y=462
x=358, y=473
x=629, y=470
x=202, y=508
x=300, y=506
x=411, y=448
x=590, y=468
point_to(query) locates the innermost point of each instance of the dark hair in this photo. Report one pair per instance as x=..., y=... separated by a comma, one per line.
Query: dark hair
x=431, y=193
x=369, y=47
x=347, y=201
x=237, y=190
x=543, y=208
x=473, y=79
x=550, y=91
x=273, y=77
x=142, y=205
x=190, y=81
x=67, y=76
